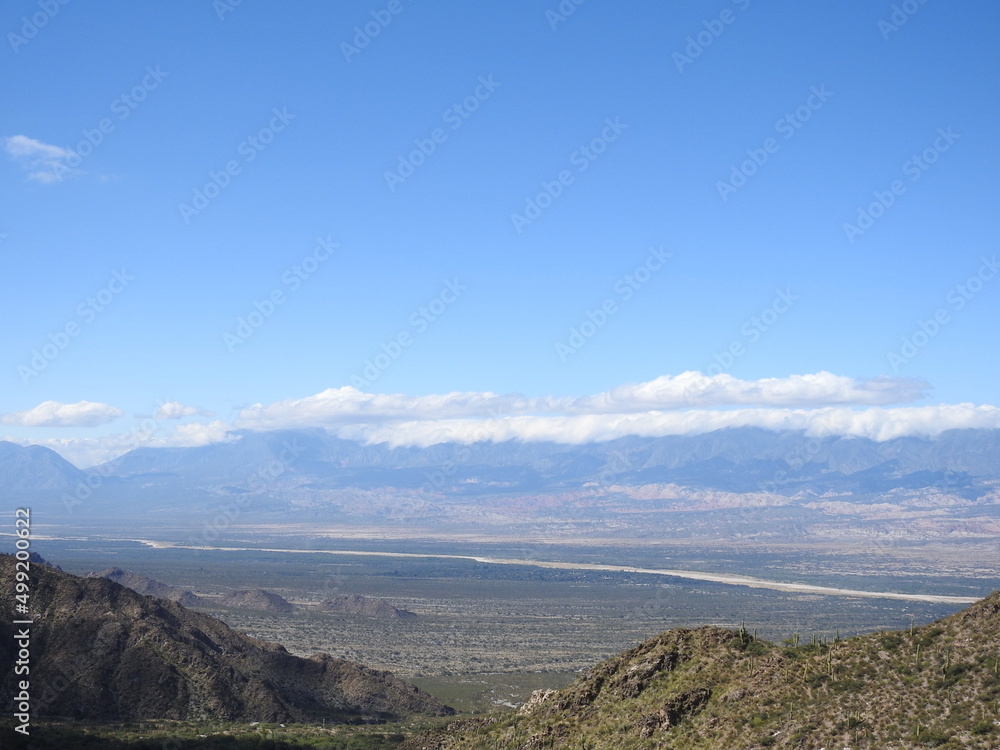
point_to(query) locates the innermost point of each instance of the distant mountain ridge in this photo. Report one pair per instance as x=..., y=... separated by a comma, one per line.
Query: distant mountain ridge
x=148, y=587
x=35, y=467
x=784, y=482
x=754, y=451
x=126, y=657
x=316, y=453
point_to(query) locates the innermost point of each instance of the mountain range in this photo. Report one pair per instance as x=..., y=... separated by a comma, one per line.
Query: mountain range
x=786, y=480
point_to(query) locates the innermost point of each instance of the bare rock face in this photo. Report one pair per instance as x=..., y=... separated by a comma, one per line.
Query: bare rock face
x=355, y=604
x=101, y=651
x=674, y=711
x=258, y=599
x=538, y=697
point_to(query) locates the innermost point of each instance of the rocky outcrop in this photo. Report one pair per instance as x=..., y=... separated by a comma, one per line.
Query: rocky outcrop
x=257, y=599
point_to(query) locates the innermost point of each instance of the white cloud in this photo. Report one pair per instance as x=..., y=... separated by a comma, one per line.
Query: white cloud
x=200, y=433
x=819, y=404
x=86, y=452
x=691, y=389
x=176, y=410
x=875, y=423
x=42, y=161
x=56, y=414
x=339, y=406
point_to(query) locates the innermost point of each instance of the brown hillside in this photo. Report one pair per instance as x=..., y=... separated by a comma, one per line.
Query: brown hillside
x=101, y=651
x=257, y=599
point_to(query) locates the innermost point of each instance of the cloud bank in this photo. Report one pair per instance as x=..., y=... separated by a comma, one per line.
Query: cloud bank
x=874, y=423
x=819, y=404
x=55, y=414
x=337, y=406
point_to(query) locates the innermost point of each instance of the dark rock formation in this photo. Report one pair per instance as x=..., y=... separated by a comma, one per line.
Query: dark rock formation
x=104, y=652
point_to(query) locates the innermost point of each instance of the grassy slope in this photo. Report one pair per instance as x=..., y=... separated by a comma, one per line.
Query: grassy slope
x=714, y=688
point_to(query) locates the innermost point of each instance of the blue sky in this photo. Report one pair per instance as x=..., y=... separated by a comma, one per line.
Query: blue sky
x=671, y=181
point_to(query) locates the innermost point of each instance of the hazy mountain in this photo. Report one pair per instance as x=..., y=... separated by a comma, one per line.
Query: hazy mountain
x=355, y=604
x=148, y=587
x=727, y=459
x=256, y=599
x=704, y=689
x=120, y=656
x=33, y=467
x=783, y=482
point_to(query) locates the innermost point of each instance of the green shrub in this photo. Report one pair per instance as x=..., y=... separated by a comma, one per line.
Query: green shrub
x=984, y=727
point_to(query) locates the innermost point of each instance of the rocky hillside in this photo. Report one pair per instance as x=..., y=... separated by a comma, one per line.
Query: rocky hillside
x=937, y=686
x=355, y=604
x=101, y=651
x=257, y=599
x=149, y=587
